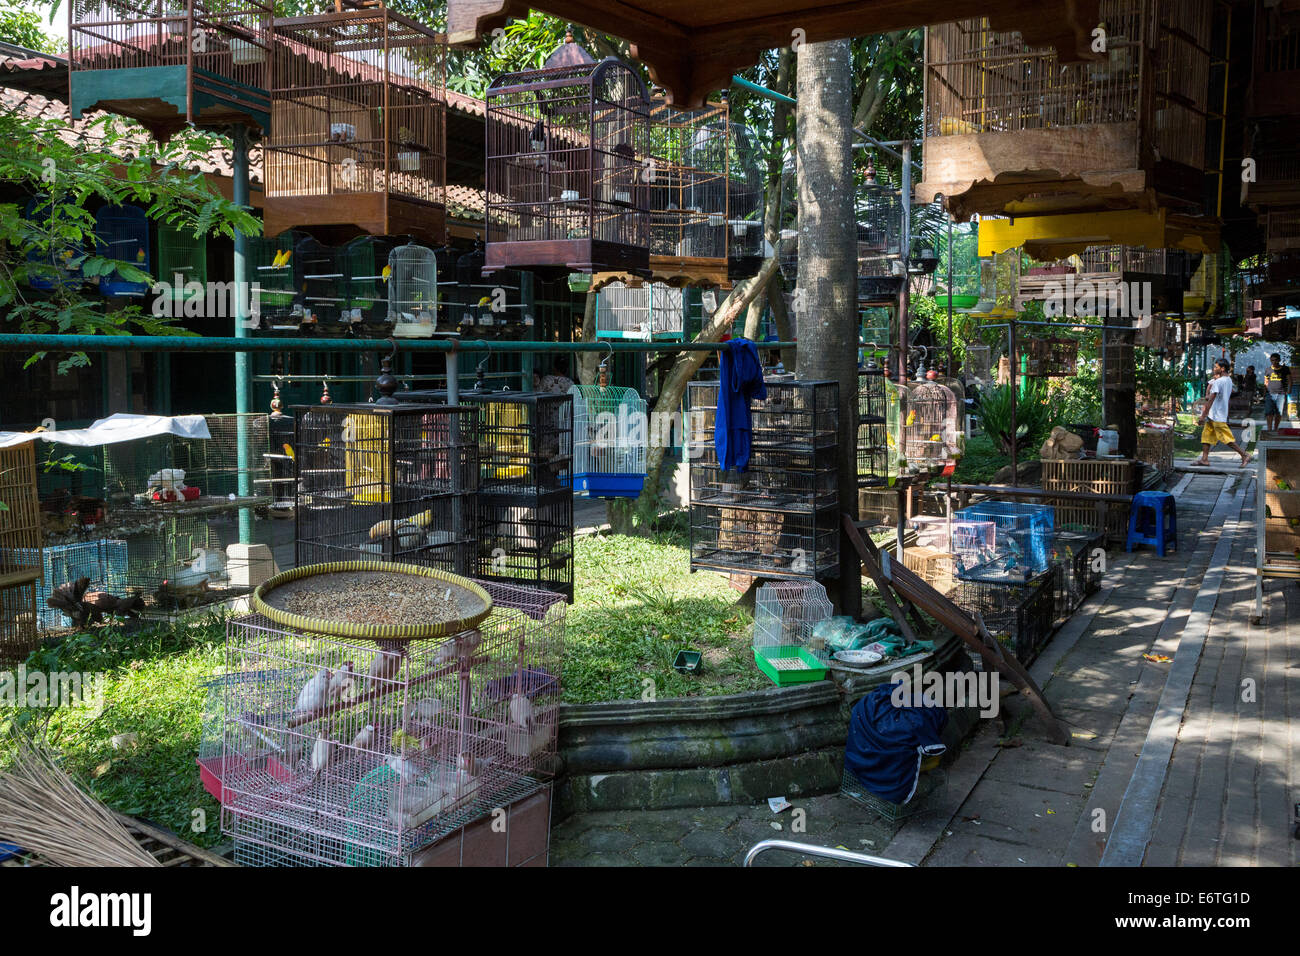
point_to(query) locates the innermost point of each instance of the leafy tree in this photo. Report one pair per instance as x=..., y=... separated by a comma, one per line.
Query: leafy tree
x=20, y=24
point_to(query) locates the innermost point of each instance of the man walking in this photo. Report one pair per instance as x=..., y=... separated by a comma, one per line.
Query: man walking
x=1278, y=380
x=1216, y=429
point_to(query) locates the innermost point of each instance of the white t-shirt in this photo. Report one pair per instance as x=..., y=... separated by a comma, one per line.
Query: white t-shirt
x=1220, y=392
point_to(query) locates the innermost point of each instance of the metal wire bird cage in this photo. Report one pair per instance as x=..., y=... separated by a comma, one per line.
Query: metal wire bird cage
x=567, y=163
x=413, y=291
x=52, y=262
x=525, y=496
x=779, y=517
x=880, y=217
x=652, y=311
x=182, y=263
x=785, y=615
x=387, y=482
x=931, y=425
x=352, y=753
x=358, y=137
x=1018, y=615
x=687, y=185
x=1021, y=537
x=873, y=443
x=168, y=63
x=610, y=434
x=277, y=299
x=745, y=203
x=122, y=233
x=978, y=365
x=320, y=273
x=365, y=260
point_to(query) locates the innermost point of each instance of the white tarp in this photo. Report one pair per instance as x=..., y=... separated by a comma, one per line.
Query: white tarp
x=116, y=428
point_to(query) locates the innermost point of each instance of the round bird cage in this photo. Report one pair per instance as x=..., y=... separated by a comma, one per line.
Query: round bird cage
x=931, y=424
x=896, y=410
x=609, y=441
x=413, y=291
x=880, y=217
x=566, y=185
x=745, y=210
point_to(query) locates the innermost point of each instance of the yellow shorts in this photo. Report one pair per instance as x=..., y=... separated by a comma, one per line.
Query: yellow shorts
x=1216, y=433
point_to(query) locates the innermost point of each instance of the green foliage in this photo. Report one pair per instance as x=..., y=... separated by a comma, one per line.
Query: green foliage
x=66, y=178
x=1038, y=411
x=20, y=24
x=979, y=463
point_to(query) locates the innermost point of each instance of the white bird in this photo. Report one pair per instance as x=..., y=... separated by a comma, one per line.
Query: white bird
x=426, y=709
x=342, y=679
x=365, y=737
x=462, y=645
x=521, y=711
x=383, y=667
x=322, y=752
x=315, y=694
x=404, y=767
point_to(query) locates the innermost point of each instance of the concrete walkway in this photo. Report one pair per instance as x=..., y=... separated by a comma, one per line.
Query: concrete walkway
x=1174, y=762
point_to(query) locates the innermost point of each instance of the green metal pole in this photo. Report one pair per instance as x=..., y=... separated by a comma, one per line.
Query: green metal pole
x=243, y=363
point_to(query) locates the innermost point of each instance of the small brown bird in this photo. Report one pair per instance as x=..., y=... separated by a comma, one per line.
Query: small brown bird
x=99, y=603
x=68, y=599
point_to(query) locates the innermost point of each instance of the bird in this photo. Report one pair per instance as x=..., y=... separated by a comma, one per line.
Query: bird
x=462, y=646
x=537, y=137
x=486, y=300
x=322, y=753
x=99, y=603
x=911, y=417
x=426, y=709
x=315, y=694
x=281, y=258
x=386, y=273
x=288, y=450
x=521, y=711
x=342, y=679
x=68, y=599
x=383, y=668
x=365, y=738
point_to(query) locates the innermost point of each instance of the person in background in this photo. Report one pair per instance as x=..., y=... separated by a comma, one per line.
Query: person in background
x=1250, y=383
x=1214, y=415
x=557, y=380
x=1277, y=379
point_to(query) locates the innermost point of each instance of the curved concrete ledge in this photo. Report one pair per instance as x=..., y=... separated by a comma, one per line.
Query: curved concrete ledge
x=740, y=748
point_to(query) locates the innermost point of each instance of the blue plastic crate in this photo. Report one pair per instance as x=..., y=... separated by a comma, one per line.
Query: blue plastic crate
x=1024, y=530
x=609, y=486
x=103, y=561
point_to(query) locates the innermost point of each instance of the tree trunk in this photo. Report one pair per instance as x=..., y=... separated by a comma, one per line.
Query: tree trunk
x=588, y=362
x=826, y=298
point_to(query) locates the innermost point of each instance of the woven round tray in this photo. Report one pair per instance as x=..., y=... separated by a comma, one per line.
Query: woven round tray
x=463, y=603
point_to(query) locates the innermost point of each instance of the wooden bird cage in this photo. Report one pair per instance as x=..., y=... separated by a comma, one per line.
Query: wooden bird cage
x=169, y=63
x=358, y=138
x=1050, y=357
x=122, y=233
x=182, y=261
x=688, y=193
x=1276, y=68
x=567, y=166
x=1000, y=110
x=1111, y=280
x=413, y=291
x=745, y=203
x=21, y=566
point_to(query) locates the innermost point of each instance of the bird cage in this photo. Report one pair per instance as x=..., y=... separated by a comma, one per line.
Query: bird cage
x=182, y=263
x=567, y=163
x=496, y=306
x=785, y=616
x=1151, y=87
x=1049, y=357
x=101, y=561
x=172, y=63
x=365, y=261
x=1021, y=530
x=358, y=137
x=788, y=260
x=1019, y=615
x=277, y=299
x=21, y=565
x=320, y=274
x=880, y=218
x=386, y=482
x=930, y=427
x=652, y=311
x=745, y=206
x=873, y=446
x=978, y=365
x=51, y=263
x=525, y=495
x=352, y=752
x=609, y=440
x=688, y=188
x=413, y=291
x=122, y=233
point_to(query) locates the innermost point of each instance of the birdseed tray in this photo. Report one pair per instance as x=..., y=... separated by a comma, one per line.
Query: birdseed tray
x=368, y=599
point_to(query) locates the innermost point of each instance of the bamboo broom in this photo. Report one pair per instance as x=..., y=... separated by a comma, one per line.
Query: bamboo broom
x=43, y=811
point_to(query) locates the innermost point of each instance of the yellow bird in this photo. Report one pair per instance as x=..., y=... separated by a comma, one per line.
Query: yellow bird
x=288, y=450
x=281, y=258
x=486, y=300
x=911, y=418
x=388, y=271
x=889, y=439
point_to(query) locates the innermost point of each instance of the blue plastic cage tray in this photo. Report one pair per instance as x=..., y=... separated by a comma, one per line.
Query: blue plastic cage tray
x=609, y=486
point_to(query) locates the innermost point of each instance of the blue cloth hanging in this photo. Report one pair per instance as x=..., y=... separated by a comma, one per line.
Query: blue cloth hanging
x=887, y=743
x=740, y=381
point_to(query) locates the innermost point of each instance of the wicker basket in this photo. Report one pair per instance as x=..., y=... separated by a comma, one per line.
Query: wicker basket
x=1155, y=447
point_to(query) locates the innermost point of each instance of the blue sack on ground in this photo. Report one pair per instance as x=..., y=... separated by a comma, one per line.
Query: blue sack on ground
x=886, y=743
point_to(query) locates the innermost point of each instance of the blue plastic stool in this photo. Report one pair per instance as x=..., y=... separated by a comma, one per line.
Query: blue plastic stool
x=1153, y=519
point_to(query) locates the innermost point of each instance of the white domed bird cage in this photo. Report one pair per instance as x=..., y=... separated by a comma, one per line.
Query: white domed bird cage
x=413, y=291
x=786, y=614
x=610, y=432
x=930, y=426
x=652, y=311
x=745, y=210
